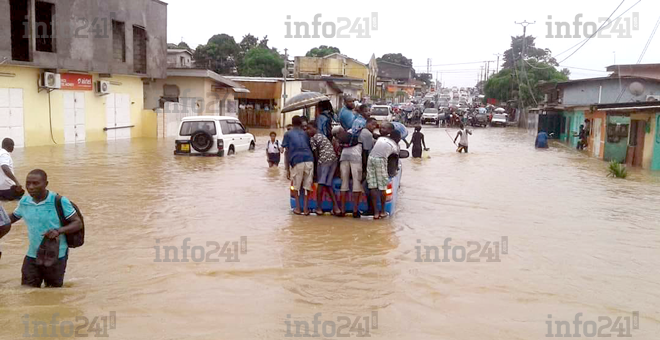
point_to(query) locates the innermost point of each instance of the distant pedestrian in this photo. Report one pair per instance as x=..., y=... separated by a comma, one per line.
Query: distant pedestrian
x=273, y=151
x=541, y=140
x=418, y=142
x=10, y=189
x=582, y=135
x=301, y=162
x=463, y=143
x=47, y=254
x=325, y=168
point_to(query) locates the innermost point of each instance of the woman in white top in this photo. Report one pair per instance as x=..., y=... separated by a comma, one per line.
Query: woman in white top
x=273, y=151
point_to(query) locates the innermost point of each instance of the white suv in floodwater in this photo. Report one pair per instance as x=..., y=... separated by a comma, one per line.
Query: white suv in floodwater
x=212, y=136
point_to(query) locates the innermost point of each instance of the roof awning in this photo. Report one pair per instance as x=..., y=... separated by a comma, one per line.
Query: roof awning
x=241, y=90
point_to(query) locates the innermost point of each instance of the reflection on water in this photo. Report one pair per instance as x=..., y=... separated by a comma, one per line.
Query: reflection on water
x=578, y=242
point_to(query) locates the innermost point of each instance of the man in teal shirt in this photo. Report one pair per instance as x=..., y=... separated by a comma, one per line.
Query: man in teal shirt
x=39, y=212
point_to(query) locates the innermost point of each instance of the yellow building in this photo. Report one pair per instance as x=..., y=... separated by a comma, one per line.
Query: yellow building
x=71, y=88
x=37, y=116
x=339, y=65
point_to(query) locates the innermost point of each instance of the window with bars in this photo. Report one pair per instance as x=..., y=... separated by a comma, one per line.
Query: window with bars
x=139, y=50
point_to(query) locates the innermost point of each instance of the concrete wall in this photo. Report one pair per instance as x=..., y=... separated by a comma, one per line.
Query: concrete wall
x=174, y=59
x=39, y=114
x=649, y=138
x=586, y=93
x=193, y=92
x=82, y=49
x=655, y=163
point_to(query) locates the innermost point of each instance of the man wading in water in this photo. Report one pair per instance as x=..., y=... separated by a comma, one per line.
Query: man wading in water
x=463, y=144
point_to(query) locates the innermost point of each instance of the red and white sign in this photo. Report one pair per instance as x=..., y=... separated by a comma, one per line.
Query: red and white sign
x=77, y=82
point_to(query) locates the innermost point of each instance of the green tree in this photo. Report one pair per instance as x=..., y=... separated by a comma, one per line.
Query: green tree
x=219, y=54
x=531, y=52
x=396, y=58
x=322, y=51
x=262, y=62
x=504, y=85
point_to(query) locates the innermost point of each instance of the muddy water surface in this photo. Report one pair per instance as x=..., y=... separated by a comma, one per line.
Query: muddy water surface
x=577, y=242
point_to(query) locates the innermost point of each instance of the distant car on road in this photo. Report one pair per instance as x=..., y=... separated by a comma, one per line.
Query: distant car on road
x=499, y=119
x=212, y=136
x=431, y=116
x=382, y=113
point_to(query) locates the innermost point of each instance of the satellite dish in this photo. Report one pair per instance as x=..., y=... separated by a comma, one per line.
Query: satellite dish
x=636, y=89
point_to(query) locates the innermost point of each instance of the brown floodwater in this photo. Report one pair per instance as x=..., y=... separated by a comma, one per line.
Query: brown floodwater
x=570, y=240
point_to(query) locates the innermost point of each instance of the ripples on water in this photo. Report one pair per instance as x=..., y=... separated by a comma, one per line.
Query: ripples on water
x=578, y=242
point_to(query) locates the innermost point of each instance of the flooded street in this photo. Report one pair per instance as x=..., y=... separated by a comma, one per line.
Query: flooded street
x=578, y=242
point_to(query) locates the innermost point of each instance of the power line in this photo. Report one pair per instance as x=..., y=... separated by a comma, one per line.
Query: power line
x=598, y=30
x=649, y=41
x=589, y=38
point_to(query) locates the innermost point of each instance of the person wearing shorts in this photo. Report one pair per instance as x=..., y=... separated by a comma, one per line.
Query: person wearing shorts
x=326, y=165
x=350, y=167
x=301, y=163
x=377, y=175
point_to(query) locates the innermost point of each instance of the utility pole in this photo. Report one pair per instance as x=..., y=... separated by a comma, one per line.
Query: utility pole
x=481, y=74
x=498, y=61
x=524, y=24
x=285, y=74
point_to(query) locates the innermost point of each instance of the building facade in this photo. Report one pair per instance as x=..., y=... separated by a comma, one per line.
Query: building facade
x=72, y=71
x=620, y=115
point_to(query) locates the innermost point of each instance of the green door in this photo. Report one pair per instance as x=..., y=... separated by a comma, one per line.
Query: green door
x=656, y=145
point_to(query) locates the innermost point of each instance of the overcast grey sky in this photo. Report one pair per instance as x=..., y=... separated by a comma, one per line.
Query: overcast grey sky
x=448, y=32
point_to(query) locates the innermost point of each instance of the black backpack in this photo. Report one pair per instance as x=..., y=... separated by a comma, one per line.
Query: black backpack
x=76, y=239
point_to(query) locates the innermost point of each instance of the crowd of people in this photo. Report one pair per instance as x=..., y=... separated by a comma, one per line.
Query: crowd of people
x=314, y=151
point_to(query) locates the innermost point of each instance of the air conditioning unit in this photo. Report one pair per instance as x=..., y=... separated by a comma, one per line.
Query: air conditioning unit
x=653, y=98
x=51, y=81
x=102, y=87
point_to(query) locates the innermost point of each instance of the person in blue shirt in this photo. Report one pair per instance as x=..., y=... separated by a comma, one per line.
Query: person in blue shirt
x=39, y=212
x=347, y=114
x=542, y=140
x=301, y=163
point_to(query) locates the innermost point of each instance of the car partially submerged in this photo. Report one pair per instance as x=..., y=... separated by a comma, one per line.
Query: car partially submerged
x=212, y=136
x=395, y=169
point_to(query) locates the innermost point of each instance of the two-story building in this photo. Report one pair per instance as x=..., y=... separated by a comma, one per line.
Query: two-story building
x=394, y=79
x=353, y=77
x=72, y=71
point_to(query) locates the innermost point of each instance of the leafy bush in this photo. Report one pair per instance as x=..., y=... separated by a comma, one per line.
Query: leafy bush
x=617, y=170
